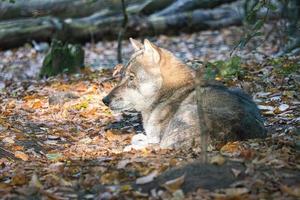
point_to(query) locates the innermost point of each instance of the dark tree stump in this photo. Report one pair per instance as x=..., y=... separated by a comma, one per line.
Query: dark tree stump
x=62, y=58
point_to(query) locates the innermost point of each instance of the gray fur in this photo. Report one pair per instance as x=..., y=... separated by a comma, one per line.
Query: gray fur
x=169, y=110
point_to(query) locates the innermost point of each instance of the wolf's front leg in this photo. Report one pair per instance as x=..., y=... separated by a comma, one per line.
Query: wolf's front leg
x=153, y=133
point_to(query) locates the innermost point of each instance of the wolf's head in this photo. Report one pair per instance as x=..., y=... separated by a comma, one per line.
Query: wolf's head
x=151, y=73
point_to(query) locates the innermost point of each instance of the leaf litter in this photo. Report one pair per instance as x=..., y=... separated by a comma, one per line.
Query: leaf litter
x=58, y=140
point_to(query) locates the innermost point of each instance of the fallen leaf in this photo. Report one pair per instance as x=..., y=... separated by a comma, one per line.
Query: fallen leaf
x=8, y=140
x=80, y=87
x=17, y=148
x=268, y=108
x=37, y=104
x=111, y=136
x=122, y=163
x=54, y=156
x=175, y=184
x=283, y=107
x=21, y=155
x=217, y=160
x=125, y=188
x=19, y=178
x=232, y=192
x=293, y=191
x=147, y=179
x=231, y=149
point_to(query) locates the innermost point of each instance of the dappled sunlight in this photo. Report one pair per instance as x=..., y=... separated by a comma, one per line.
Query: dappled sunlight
x=71, y=118
x=58, y=140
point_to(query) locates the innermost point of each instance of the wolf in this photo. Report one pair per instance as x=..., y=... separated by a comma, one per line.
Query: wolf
x=161, y=87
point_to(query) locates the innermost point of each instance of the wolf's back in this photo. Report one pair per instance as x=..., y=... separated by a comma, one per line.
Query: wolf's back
x=231, y=114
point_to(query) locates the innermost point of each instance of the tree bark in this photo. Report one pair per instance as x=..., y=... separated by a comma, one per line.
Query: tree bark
x=17, y=32
x=180, y=6
x=59, y=8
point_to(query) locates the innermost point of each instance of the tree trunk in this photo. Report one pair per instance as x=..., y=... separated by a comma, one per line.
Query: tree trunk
x=17, y=32
x=60, y=8
x=180, y=6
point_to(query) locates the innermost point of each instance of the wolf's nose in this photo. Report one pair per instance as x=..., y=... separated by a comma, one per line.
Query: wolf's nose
x=106, y=101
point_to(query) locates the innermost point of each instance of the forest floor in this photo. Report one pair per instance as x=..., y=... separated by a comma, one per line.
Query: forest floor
x=58, y=140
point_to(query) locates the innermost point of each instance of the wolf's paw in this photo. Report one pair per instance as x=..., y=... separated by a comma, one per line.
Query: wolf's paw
x=138, y=139
x=138, y=142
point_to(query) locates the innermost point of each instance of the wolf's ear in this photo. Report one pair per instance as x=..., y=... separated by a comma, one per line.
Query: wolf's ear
x=136, y=44
x=152, y=50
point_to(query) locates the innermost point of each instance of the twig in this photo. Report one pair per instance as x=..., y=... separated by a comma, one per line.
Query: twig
x=122, y=31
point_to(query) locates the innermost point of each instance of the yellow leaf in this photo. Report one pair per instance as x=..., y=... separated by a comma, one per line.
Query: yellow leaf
x=125, y=188
x=37, y=104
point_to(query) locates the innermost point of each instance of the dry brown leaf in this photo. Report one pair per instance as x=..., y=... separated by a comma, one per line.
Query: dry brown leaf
x=293, y=191
x=115, y=135
x=80, y=87
x=231, y=147
x=19, y=178
x=89, y=113
x=247, y=154
x=17, y=148
x=175, y=184
x=21, y=155
x=37, y=104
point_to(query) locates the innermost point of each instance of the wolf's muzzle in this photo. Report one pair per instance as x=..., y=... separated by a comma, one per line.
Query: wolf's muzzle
x=106, y=100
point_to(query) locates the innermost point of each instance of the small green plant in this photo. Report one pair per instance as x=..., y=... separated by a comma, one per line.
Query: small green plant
x=252, y=22
x=81, y=105
x=230, y=68
x=284, y=66
x=224, y=69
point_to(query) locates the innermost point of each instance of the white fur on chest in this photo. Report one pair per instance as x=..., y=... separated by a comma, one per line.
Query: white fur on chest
x=153, y=128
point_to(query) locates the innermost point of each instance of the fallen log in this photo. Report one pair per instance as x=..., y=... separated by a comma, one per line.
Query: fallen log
x=180, y=6
x=17, y=32
x=60, y=8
